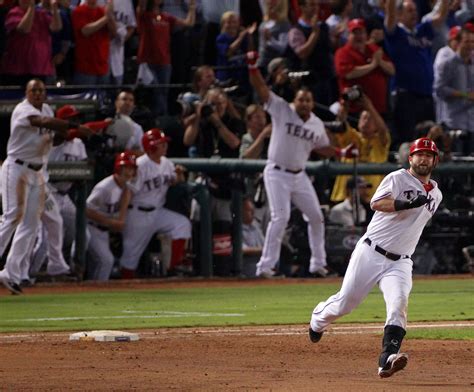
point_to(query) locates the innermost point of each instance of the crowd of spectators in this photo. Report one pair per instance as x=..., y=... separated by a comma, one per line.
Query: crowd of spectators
x=383, y=69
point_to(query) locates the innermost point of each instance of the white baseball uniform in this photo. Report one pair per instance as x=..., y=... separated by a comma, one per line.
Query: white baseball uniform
x=395, y=232
x=104, y=198
x=23, y=186
x=147, y=216
x=53, y=238
x=286, y=181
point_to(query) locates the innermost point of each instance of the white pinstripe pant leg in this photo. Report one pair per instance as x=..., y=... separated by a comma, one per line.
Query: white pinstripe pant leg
x=365, y=269
x=278, y=185
x=305, y=198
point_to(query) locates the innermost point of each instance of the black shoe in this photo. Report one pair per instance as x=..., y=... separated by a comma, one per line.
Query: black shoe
x=14, y=288
x=315, y=337
x=395, y=363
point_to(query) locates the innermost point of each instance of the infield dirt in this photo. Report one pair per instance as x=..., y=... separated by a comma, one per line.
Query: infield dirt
x=278, y=358
x=215, y=360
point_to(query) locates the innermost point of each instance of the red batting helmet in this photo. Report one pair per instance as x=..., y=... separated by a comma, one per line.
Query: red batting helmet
x=152, y=138
x=66, y=111
x=125, y=158
x=425, y=144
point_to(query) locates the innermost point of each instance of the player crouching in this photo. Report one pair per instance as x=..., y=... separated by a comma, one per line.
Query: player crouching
x=107, y=208
x=147, y=215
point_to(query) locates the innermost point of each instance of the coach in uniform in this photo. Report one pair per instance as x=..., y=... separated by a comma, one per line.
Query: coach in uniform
x=404, y=202
x=32, y=129
x=296, y=133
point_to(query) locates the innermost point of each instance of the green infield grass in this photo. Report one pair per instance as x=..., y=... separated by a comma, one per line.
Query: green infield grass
x=431, y=300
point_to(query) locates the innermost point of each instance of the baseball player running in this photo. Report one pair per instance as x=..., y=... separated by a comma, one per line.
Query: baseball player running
x=146, y=215
x=296, y=133
x=107, y=207
x=404, y=202
x=32, y=128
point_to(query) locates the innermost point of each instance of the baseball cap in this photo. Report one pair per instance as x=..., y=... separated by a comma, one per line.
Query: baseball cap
x=361, y=183
x=469, y=26
x=356, y=24
x=66, y=111
x=275, y=63
x=453, y=32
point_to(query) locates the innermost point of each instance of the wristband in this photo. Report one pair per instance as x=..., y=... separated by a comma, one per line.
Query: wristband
x=253, y=69
x=400, y=205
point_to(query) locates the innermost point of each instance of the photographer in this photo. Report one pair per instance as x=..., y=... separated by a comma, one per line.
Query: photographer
x=215, y=131
x=372, y=139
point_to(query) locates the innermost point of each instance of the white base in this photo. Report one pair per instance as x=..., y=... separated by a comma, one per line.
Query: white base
x=105, y=336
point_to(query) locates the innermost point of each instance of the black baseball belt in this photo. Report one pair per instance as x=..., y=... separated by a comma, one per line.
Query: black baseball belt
x=97, y=226
x=141, y=208
x=383, y=252
x=32, y=166
x=288, y=170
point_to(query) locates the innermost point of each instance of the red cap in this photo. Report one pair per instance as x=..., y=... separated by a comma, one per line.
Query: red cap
x=66, y=111
x=125, y=158
x=469, y=26
x=453, y=32
x=356, y=24
x=425, y=144
x=152, y=138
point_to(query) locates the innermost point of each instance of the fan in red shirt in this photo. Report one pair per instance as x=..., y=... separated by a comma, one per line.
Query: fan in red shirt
x=154, y=51
x=366, y=65
x=93, y=27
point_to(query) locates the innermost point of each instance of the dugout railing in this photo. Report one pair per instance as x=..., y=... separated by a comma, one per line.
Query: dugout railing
x=81, y=172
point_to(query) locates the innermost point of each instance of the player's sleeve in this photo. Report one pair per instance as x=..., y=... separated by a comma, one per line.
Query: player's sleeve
x=388, y=187
x=323, y=139
x=94, y=201
x=82, y=153
x=24, y=113
x=276, y=106
x=172, y=170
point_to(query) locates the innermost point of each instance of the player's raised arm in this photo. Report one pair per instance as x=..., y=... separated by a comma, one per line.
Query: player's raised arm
x=256, y=78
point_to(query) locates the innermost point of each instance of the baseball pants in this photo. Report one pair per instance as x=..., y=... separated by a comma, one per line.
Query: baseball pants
x=367, y=268
x=23, y=201
x=283, y=188
x=50, y=240
x=140, y=226
x=100, y=257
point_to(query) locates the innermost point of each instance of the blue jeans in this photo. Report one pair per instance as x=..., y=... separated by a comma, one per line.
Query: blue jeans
x=162, y=75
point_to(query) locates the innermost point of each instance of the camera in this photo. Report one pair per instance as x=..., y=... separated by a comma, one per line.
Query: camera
x=189, y=101
x=335, y=126
x=459, y=134
x=352, y=93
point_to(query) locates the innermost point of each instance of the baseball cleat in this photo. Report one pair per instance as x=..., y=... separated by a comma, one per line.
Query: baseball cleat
x=395, y=363
x=14, y=288
x=270, y=275
x=315, y=337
